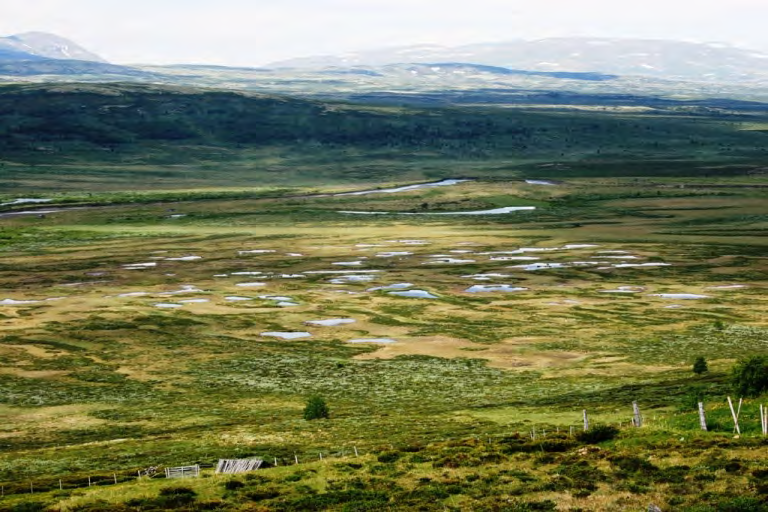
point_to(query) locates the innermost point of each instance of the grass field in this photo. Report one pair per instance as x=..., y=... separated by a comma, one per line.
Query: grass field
x=131, y=336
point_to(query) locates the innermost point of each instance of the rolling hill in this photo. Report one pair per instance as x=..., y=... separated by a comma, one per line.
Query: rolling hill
x=107, y=135
x=645, y=57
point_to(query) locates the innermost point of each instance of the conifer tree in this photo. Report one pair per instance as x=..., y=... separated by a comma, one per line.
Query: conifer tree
x=316, y=408
x=700, y=366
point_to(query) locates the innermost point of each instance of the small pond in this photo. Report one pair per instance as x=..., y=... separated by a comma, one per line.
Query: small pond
x=416, y=294
x=406, y=188
x=483, y=288
x=331, y=322
x=286, y=335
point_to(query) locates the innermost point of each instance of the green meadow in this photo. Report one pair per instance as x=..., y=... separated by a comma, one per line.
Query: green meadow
x=135, y=317
x=99, y=378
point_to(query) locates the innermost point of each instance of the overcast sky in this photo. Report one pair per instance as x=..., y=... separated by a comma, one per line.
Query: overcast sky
x=255, y=32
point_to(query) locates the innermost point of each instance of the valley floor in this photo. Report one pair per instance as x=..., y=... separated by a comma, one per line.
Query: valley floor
x=456, y=352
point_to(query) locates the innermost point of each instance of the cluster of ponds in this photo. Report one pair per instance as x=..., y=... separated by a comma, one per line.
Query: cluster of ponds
x=394, y=254
x=515, y=260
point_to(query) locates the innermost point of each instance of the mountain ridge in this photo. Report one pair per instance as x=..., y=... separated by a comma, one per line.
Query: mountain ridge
x=42, y=45
x=644, y=57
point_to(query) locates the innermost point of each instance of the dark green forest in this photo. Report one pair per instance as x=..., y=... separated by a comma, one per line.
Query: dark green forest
x=108, y=117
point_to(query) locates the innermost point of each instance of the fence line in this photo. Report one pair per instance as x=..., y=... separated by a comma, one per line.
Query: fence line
x=193, y=471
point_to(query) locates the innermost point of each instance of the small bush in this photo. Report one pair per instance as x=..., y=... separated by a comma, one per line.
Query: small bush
x=750, y=376
x=457, y=460
x=262, y=494
x=168, y=498
x=350, y=500
x=633, y=465
x=700, y=366
x=598, y=434
x=176, y=497
x=742, y=504
x=233, y=485
x=525, y=506
x=316, y=409
x=177, y=491
x=388, y=457
x=29, y=506
x=556, y=445
x=98, y=506
x=210, y=505
x=633, y=487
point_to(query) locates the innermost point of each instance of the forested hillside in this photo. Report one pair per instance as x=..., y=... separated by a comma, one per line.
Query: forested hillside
x=56, y=118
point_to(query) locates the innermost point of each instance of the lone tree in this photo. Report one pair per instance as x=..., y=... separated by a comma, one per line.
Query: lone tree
x=700, y=365
x=750, y=376
x=316, y=408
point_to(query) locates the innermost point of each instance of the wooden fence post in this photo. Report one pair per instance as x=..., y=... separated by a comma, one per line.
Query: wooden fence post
x=637, y=416
x=586, y=420
x=734, y=415
x=356, y=454
x=764, y=419
x=702, y=417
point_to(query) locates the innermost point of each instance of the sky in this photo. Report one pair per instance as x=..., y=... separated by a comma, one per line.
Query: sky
x=257, y=32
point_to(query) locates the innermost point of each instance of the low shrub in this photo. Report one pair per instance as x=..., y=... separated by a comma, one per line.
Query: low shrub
x=233, y=485
x=29, y=506
x=533, y=506
x=598, y=434
x=262, y=494
x=750, y=376
x=389, y=457
x=352, y=500
x=629, y=464
x=175, y=497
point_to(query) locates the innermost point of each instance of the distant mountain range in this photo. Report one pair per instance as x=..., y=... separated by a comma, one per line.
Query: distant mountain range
x=644, y=57
x=677, y=60
x=493, y=72
x=450, y=83
x=49, y=55
x=41, y=46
